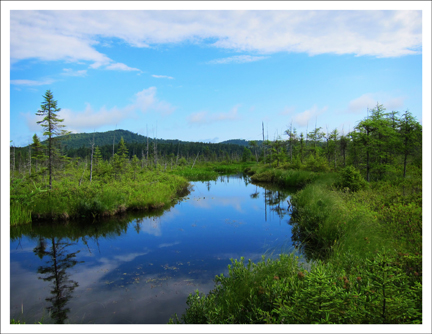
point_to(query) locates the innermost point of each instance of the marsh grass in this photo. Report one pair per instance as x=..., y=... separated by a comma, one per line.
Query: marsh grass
x=147, y=190
x=19, y=214
x=283, y=291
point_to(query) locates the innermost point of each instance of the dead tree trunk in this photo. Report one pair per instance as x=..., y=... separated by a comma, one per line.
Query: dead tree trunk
x=195, y=160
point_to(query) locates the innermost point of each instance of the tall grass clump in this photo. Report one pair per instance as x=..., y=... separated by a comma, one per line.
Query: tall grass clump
x=146, y=190
x=19, y=214
x=282, y=291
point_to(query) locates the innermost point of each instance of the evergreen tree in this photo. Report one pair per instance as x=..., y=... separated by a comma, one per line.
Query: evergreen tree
x=135, y=165
x=38, y=151
x=411, y=138
x=254, y=145
x=97, y=157
x=247, y=154
x=121, y=158
x=52, y=128
x=292, y=139
x=377, y=138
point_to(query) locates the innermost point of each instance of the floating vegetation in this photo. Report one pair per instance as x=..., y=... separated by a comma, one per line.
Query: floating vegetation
x=167, y=267
x=197, y=271
x=157, y=280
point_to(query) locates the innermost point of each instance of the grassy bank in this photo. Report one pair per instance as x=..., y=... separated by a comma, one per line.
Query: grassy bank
x=206, y=171
x=146, y=190
x=109, y=193
x=363, y=243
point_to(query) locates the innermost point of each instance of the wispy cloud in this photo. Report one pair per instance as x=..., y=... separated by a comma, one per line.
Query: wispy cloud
x=236, y=59
x=61, y=35
x=89, y=119
x=204, y=117
x=121, y=67
x=287, y=111
x=72, y=73
x=162, y=76
x=360, y=104
x=303, y=118
x=32, y=82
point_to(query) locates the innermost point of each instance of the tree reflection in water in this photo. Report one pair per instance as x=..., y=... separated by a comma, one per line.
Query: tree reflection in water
x=59, y=260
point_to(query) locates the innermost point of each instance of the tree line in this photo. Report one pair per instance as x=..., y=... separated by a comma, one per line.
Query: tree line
x=383, y=142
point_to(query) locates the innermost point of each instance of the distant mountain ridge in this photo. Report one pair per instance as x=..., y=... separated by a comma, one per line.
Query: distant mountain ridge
x=241, y=142
x=78, y=140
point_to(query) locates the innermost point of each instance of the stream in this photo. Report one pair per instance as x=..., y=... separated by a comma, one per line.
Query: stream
x=140, y=268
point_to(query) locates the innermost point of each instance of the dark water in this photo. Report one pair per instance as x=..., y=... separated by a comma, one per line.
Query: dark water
x=140, y=269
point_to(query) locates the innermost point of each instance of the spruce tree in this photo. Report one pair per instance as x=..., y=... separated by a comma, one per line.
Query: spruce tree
x=38, y=151
x=52, y=128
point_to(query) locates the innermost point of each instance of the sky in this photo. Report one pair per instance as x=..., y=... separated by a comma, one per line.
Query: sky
x=212, y=75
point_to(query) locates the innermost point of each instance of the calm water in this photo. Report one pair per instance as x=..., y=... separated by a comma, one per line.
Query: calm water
x=140, y=269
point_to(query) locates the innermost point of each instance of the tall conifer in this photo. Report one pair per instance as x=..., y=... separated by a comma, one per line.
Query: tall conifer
x=52, y=128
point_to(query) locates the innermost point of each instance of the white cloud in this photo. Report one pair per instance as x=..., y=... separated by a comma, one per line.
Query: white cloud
x=203, y=117
x=121, y=67
x=362, y=103
x=32, y=82
x=394, y=103
x=89, y=119
x=198, y=118
x=236, y=59
x=287, y=111
x=61, y=35
x=129, y=257
x=146, y=99
x=369, y=101
x=303, y=118
x=72, y=73
x=162, y=76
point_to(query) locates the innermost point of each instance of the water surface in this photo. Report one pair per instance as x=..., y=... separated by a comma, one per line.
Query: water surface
x=139, y=269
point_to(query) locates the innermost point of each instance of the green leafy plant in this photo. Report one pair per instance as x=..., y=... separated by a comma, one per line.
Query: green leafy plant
x=351, y=178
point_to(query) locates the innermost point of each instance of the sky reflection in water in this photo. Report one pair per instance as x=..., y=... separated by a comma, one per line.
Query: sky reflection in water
x=142, y=270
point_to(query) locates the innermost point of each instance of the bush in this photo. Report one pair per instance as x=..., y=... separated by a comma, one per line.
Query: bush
x=351, y=178
x=282, y=291
x=182, y=162
x=317, y=164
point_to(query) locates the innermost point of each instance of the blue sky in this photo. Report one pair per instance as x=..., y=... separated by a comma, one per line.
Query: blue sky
x=212, y=75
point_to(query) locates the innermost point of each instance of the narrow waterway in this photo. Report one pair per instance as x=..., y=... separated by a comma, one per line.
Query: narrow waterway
x=139, y=269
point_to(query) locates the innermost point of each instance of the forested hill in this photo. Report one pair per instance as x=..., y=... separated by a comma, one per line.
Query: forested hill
x=240, y=142
x=79, y=145
x=78, y=140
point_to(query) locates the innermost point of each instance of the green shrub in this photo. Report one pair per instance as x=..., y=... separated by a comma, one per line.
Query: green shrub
x=378, y=291
x=351, y=178
x=316, y=164
x=182, y=162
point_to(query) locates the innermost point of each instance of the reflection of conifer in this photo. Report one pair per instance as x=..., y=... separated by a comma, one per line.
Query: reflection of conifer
x=55, y=272
x=40, y=248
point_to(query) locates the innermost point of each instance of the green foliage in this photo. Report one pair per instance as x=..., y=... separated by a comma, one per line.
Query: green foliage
x=21, y=201
x=280, y=291
x=102, y=197
x=247, y=155
x=316, y=164
x=286, y=178
x=52, y=128
x=350, y=177
x=182, y=162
